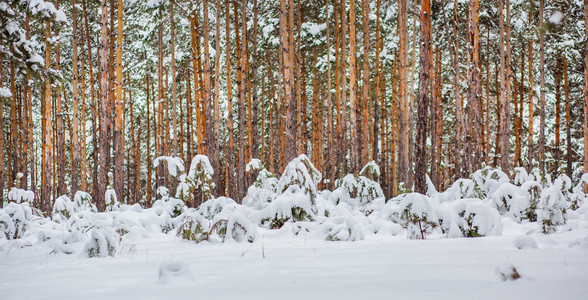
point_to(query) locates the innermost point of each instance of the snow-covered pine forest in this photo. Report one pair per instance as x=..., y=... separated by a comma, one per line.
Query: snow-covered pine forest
x=361, y=148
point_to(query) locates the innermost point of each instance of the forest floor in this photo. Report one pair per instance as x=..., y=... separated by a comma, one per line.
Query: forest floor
x=281, y=265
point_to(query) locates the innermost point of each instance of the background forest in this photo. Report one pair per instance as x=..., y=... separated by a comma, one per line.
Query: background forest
x=96, y=95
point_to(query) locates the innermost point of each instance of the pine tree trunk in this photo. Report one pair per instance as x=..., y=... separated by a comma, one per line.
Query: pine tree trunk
x=530, y=147
x=504, y=155
x=242, y=189
x=457, y=94
x=210, y=140
x=330, y=138
x=149, y=164
x=230, y=152
x=474, y=156
x=2, y=146
x=216, y=143
x=503, y=91
x=366, y=155
x=93, y=106
x=353, y=107
x=14, y=159
x=174, y=136
x=104, y=115
x=119, y=106
x=75, y=155
x=47, y=146
x=338, y=160
x=556, y=153
x=286, y=30
x=586, y=95
x=542, y=99
x=423, y=99
x=568, y=119
x=403, y=116
x=160, y=103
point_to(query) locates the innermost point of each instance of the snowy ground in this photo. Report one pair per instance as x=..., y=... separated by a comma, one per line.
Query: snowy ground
x=298, y=267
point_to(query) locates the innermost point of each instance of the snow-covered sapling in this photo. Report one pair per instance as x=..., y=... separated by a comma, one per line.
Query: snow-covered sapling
x=417, y=215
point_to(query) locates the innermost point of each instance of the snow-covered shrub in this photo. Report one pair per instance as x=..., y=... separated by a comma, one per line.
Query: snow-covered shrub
x=552, y=207
x=19, y=195
x=103, y=242
x=173, y=206
x=228, y=224
x=469, y=218
x=293, y=205
x=300, y=172
x=194, y=228
x=417, y=215
x=83, y=202
x=175, y=165
x=15, y=219
x=63, y=209
x=237, y=227
x=112, y=203
x=264, y=188
x=532, y=191
x=341, y=229
x=214, y=206
x=7, y=229
x=481, y=220
x=200, y=176
x=509, y=201
x=361, y=189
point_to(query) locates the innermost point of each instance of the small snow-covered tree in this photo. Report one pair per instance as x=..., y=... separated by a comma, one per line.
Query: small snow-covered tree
x=552, y=207
x=301, y=172
x=417, y=215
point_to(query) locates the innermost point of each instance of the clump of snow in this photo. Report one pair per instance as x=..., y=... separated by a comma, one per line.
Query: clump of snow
x=507, y=273
x=174, y=272
x=19, y=195
x=556, y=18
x=525, y=242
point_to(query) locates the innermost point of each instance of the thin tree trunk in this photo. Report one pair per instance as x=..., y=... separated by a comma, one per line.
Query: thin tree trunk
x=330, y=143
x=556, y=153
x=542, y=99
x=2, y=146
x=104, y=114
x=119, y=106
x=568, y=119
x=82, y=139
x=355, y=141
x=242, y=189
x=403, y=125
x=93, y=105
x=503, y=91
x=423, y=100
x=230, y=152
x=210, y=141
x=286, y=30
x=530, y=147
x=216, y=134
x=150, y=98
x=160, y=100
x=75, y=155
x=365, y=141
x=174, y=136
x=505, y=164
x=474, y=156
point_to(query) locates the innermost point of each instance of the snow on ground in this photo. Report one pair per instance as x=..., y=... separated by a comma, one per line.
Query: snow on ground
x=295, y=267
x=288, y=240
